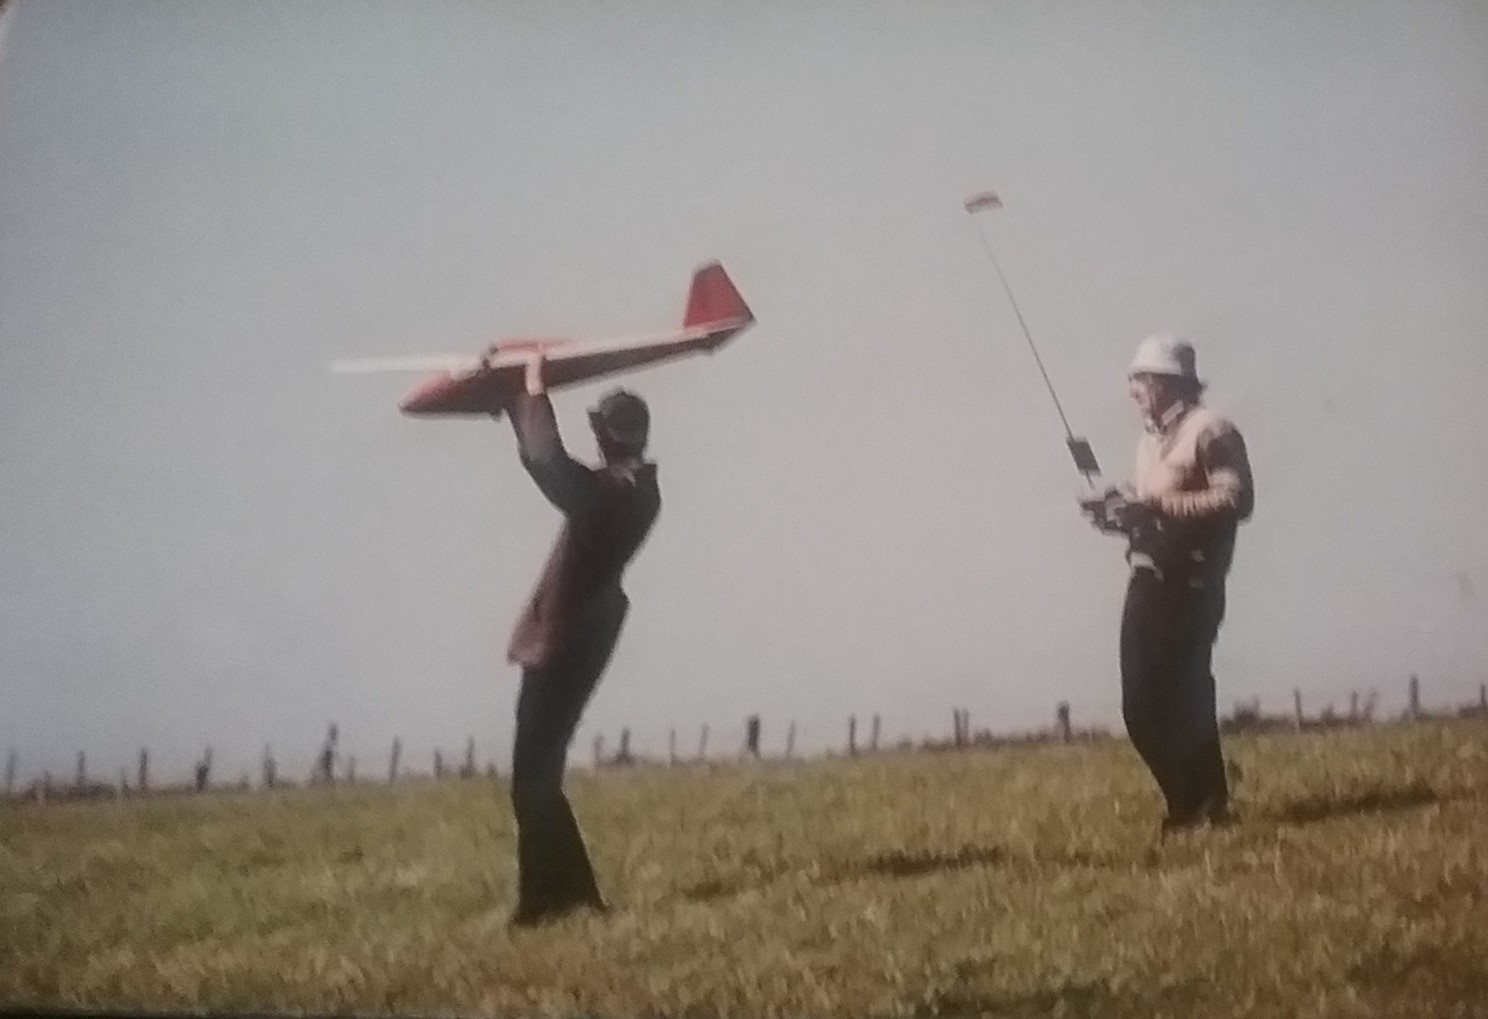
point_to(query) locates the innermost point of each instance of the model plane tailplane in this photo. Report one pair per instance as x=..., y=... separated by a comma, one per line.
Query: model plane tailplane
x=713, y=299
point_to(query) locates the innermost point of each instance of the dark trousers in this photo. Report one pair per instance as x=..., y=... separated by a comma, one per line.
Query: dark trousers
x=1168, y=629
x=553, y=870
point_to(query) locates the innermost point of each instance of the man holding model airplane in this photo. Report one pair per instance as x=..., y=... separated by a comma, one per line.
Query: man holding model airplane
x=568, y=630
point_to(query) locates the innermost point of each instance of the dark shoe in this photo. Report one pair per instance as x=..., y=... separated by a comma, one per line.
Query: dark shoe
x=1173, y=824
x=524, y=917
x=1222, y=817
x=1216, y=811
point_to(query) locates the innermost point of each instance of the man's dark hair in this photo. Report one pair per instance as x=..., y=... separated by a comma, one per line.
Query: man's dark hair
x=621, y=423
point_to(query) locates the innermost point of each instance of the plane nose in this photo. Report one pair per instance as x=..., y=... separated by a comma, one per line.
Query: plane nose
x=431, y=397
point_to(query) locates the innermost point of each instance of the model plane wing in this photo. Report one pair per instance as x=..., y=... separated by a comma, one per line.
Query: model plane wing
x=715, y=314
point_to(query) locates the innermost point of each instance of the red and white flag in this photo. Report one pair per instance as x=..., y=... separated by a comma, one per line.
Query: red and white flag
x=985, y=200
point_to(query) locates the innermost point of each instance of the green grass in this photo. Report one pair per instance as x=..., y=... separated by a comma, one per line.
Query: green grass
x=1020, y=881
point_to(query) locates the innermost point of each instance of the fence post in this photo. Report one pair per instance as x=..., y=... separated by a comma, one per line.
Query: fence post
x=467, y=770
x=703, y=743
x=852, y=735
x=82, y=770
x=873, y=734
x=1354, y=706
x=1062, y=720
x=752, y=736
x=270, y=769
x=397, y=752
x=1415, y=697
x=144, y=770
x=204, y=771
x=622, y=756
x=1297, y=706
x=790, y=742
x=438, y=763
x=11, y=762
x=672, y=746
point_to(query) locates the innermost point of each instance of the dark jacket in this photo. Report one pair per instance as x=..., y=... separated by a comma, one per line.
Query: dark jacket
x=608, y=513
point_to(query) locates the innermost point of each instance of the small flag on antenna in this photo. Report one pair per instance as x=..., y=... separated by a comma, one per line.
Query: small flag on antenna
x=985, y=200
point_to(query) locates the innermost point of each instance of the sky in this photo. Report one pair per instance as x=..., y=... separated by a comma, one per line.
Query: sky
x=209, y=540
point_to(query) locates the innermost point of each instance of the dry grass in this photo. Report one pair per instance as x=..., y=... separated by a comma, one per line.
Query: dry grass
x=1013, y=882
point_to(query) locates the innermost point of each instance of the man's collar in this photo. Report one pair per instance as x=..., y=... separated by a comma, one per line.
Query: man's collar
x=1165, y=422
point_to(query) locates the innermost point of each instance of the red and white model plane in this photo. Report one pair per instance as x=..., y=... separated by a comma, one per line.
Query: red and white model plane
x=479, y=385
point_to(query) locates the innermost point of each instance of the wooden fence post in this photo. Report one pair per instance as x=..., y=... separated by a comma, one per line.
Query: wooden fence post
x=672, y=746
x=144, y=771
x=1062, y=721
x=1297, y=706
x=622, y=756
x=204, y=771
x=752, y=736
x=397, y=752
x=703, y=743
x=790, y=742
x=270, y=768
x=438, y=763
x=873, y=734
x=852, y=735
x=467, y=770
x=1414, y=695
x=82, y=770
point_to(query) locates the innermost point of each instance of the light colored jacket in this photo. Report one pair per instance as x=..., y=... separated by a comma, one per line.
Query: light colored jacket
x=1193, y=471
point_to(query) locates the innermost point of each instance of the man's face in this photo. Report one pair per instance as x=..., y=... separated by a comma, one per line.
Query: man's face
x=1152, y=394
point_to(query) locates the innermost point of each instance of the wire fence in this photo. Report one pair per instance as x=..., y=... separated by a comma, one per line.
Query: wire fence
x=703, y=746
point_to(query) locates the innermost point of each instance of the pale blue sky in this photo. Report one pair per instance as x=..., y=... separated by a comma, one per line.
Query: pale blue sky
x=868, y=507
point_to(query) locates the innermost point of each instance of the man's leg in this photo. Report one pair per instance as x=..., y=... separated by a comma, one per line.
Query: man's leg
x=548, y=709
x=1204, y=788
x=553, y=866
x=1145, y=665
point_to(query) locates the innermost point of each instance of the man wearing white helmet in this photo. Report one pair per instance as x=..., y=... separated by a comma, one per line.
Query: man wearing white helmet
x=568, y=630
x=1191, y=490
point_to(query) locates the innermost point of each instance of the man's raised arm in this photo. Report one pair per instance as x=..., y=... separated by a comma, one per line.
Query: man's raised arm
x=566, y=483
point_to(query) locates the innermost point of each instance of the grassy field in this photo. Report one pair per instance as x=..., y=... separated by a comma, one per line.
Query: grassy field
x=1010, y=882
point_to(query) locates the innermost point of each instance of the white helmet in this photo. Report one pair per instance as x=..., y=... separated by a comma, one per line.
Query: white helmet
x=1165, y=354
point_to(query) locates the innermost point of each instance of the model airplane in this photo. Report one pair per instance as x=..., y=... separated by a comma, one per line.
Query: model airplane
x=484, y=384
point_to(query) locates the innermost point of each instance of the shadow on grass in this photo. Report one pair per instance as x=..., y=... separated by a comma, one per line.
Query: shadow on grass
x=1446, y=975
x=900, y=863
x=1089, y=999
x=1379, y=800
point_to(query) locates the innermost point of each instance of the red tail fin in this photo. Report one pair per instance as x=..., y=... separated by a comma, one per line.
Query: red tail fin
x=713, y=298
